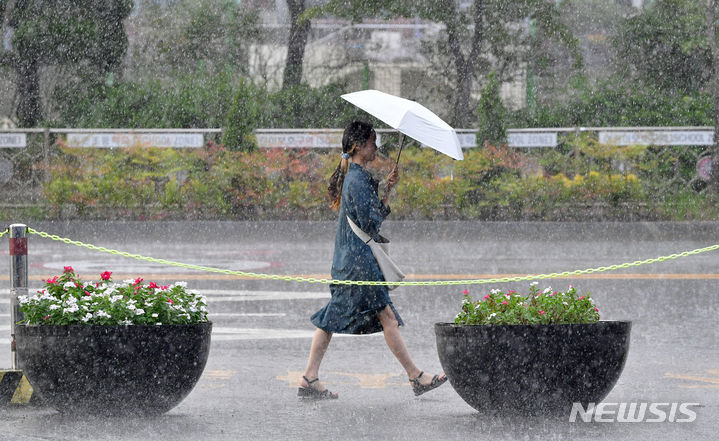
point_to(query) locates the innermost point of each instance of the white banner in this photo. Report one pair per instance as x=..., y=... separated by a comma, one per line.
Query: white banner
x=114, y=140
x=13, y=140
x=658, y=137
x=544, y=139
x=301, y=140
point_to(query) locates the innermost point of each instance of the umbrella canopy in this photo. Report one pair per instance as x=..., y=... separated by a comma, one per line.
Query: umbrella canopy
x=410, y=118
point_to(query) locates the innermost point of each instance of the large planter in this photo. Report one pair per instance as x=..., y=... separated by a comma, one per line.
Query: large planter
x=532, y=369
x=113, y=370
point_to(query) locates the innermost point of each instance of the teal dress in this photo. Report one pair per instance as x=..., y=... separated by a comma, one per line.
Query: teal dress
x=353, y=308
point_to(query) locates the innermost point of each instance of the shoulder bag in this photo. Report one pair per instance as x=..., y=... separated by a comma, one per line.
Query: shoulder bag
x=389, y=269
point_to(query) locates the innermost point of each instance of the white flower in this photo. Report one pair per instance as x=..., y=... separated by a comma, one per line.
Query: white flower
x=68, y=285
x=115, y=298
x=566, y=303
x=180, y=284
x=54, y=307
x=140, y=311
x=492, y=315
x=71, y=308
x=22, y=299
x=495, y=291
x=155, y=315
x=71, y=300
x=102, y=313
x=131, y=306
x=87, y=317
x=534, y=283
x=126, y=322
x=547, y=289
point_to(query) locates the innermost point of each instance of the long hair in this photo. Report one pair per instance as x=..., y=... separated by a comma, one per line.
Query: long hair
x=356, y=133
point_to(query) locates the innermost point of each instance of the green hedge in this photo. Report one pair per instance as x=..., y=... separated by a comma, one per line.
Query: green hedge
x=493, y=183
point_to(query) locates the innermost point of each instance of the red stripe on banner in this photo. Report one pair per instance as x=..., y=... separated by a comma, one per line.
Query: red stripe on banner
x=18, y=246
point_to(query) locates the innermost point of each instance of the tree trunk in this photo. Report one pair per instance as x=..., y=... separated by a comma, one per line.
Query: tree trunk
x=29, y=112
x=465, y=65
x=711, y=36
x=462, y=110
x=299, y=32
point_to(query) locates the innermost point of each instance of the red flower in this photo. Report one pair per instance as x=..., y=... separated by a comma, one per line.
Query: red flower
x=504, y=302
x=46, y=317
x=152, y=285
x=106, y=275
x=465, y=292
x=52, y=281
x=541, y=312
x=138, y=281
x=581, y=298
x=87, y=293
x=170, y=301
x=68, y=269
x=487, y=296
x=164, y=287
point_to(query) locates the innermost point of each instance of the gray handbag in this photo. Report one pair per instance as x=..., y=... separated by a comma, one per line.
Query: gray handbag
x=389, y=269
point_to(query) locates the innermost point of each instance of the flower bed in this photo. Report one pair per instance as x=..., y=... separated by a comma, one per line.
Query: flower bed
x=539, y=307
x=67, y=300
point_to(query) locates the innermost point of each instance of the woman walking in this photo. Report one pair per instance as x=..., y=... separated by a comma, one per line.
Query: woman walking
x=359, y=309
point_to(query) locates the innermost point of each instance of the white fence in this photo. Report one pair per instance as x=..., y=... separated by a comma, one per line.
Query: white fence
x=332, y=138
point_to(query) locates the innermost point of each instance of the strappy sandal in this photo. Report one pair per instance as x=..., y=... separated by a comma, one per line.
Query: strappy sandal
x=420, y=388
x=314, y=394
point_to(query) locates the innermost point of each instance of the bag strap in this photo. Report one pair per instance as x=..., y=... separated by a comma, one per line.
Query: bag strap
x=364, y=237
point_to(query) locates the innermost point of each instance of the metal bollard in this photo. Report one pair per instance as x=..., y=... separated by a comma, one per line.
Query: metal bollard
x=18, y=279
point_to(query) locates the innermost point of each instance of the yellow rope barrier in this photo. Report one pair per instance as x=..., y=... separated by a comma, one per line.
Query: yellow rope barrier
x=369, y=282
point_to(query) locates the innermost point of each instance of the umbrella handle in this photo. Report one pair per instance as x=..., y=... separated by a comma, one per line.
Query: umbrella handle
x=401, y=143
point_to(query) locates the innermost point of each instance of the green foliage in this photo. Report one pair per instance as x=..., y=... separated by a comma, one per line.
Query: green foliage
x=209, y=183
x=545, y=307
x=87, y=37
x=616, y=103
x=213, y=34
x=305, y=107
x=199, y=99
x=492, y=114
x=667, y=45
x=242, y=118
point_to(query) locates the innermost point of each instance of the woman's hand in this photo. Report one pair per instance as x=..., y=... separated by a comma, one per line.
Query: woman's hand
x=392, y=180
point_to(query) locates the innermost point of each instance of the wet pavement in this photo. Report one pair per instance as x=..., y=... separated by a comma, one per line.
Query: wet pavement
x=262, y=334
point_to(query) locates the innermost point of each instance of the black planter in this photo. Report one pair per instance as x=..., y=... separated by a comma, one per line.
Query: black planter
x=532, y=369
x=113, y=370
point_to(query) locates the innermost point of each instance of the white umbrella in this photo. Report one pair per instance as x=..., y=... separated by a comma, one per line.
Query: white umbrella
x=410, y=118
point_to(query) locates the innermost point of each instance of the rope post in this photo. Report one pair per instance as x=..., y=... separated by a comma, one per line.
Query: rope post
x=18, y=279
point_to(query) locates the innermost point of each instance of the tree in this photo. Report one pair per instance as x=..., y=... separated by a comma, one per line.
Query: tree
x=214, y=35
x=299, y=31
x=60, y=32
x=672, y=44
x=667, y=45
x=487, y=35
x=492, y=114
x=711, y=18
